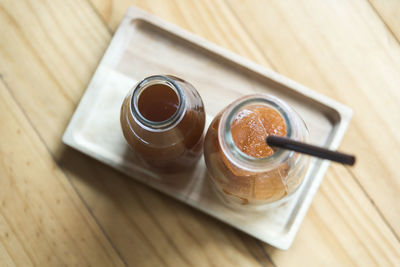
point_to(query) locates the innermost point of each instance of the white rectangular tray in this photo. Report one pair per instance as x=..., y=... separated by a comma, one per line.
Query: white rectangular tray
x=145, y=45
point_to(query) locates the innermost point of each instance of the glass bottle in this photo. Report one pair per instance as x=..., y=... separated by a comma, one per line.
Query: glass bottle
x=250, y=182
x=163, y=120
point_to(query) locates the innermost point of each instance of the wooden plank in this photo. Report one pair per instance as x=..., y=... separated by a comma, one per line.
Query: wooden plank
x=135, y=216
x=151, y=229
x=42, y=219
x=342, y=229
x=48, y=48
x=389, y=12
x=211, y=20
x=342, y=49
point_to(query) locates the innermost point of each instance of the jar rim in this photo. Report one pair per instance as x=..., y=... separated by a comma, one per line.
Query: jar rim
x=157, y=125
x=237, y=156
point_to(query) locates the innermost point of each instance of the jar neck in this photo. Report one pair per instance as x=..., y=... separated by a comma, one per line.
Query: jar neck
x=238, y=157
x=158, y=126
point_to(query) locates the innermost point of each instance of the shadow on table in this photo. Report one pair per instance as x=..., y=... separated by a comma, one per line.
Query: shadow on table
x=148, y=228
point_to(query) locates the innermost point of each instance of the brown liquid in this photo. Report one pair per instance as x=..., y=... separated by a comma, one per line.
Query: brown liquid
x=158, y=102
x=176, y=148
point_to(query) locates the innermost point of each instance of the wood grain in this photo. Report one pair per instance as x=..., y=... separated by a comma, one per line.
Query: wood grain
x=45, y=60
x=389, y=12
x=342, y=228
x=134, y=228
x=42, y=219
x=49, y=50
x=209, y=19
x=150, y=229
x=365, y=58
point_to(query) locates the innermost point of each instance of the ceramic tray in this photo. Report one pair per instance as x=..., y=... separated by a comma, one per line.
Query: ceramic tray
x=145, y=45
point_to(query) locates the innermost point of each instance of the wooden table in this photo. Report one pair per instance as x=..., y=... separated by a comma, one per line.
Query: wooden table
x=59, y=207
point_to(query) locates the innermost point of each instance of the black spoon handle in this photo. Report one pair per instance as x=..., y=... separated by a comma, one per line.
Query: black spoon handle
x=308, y=149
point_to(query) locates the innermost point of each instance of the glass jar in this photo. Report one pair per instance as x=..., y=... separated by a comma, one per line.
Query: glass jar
x=246, y=181
x=163, y=120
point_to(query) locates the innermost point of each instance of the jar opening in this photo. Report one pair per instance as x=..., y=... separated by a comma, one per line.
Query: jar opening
x=234, y=153
x=252, y=124
x=157, y=102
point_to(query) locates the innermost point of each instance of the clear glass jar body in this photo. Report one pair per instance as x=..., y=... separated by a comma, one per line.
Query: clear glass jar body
x=171, y=145
x=245, y=181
